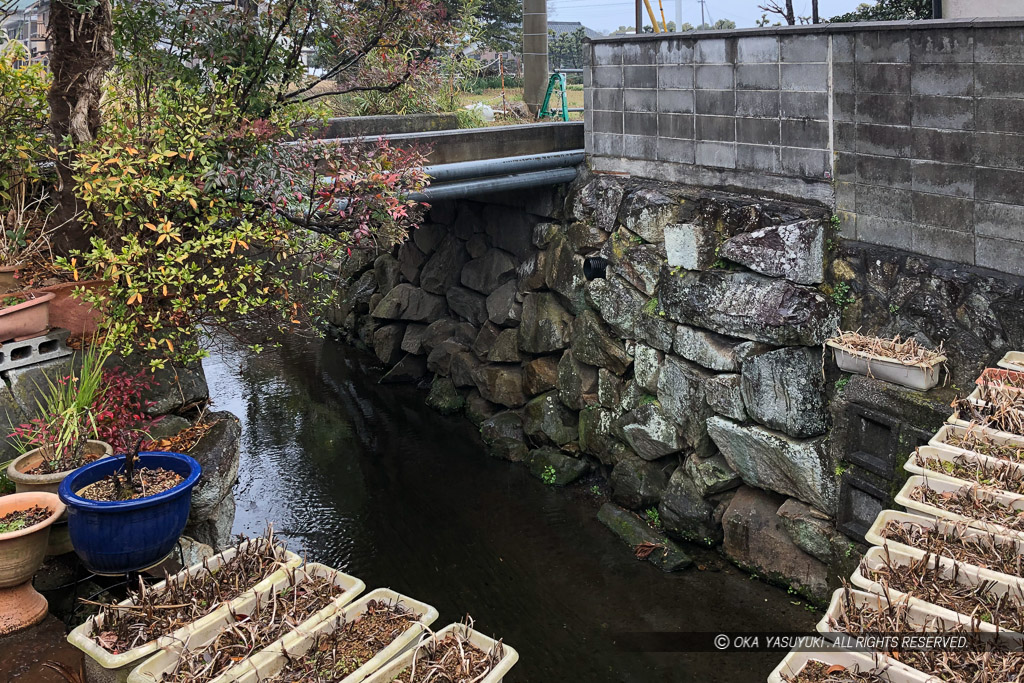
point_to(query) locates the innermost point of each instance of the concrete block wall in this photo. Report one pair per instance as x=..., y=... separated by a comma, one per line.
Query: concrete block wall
x=912, y=131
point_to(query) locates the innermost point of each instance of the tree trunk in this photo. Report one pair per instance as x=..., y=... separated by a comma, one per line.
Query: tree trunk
x=790, y=15
x=814, y=12
x=83, y=51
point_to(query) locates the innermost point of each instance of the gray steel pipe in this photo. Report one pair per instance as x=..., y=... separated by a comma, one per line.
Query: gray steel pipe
x=518, y=181
x=504, y=165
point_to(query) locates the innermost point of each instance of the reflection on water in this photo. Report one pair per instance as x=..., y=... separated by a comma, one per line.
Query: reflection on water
x=366, y=478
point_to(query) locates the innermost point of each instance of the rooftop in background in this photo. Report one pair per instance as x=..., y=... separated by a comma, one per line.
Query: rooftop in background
x=562, y=27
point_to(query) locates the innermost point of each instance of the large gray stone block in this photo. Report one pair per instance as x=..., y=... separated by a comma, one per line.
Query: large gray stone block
x=795, y=251
x=617, y=302
x=686, y=514
x=443, y=268
x=593, y=344
x=487, y=273
x=646, y=213
x=635, y=532
x=783, y=389
x=597, y=202
x=711, y=350
x=649, y=432
x=547, y=419
x=546, y=325
x=406, y=302
x=681, y=392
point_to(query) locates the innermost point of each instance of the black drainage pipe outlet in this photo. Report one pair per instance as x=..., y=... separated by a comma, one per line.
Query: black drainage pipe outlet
x=594, y=267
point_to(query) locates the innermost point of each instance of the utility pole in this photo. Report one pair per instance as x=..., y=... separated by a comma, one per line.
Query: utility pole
x=701, y=12
x=639, y=17
x=679, y=15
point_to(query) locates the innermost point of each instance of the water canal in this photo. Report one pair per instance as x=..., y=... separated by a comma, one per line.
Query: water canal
x=366, y=478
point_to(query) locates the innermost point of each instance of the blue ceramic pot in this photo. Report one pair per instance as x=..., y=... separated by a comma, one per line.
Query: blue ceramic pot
x=125, y=536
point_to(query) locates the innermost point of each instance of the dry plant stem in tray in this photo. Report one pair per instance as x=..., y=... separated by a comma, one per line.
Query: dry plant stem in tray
x=252, y=632
x=966, y=502
x=989, y=475
x=975, y=440
x=972, y=666
x=821, y=672
x=999, y=417
x=922, y=579
x=452, y=659
x=339, y=653
x=159, y=613
x=905, y=351
x=982, y=549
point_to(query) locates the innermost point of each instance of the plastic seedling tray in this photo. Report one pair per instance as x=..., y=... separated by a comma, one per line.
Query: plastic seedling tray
x=269, y=663
x=963, y=574
x=154, y=668
x=886, y=669
x=921, y=377
x=1013, y=360
x=945, y=527
x=102, y=666
x=942, y=454
x=949, y=431
x=1010, y=500
x=508, y=656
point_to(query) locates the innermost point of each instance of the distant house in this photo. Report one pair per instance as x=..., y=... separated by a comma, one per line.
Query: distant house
x=562, y=27
x=27, y=23
x=969, y=9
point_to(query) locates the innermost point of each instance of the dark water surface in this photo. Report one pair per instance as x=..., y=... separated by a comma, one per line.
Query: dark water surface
x=364, y=477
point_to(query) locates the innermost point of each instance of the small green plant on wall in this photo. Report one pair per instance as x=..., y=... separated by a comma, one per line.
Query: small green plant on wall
x=548, y=475
x=653, y=518
x=842, y=296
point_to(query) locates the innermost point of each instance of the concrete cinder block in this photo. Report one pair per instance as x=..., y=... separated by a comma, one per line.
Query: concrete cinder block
x=885, y=202
x=765, y=158
x=757, y=76
x=804, y=105
x=639, y=123
x=845, y=168
x=806, y=163
x=999, y=80
x=757, y=131
x=948, y=80
x=46, y=347
x=890, y=110
x=885, y=231
x=885, y=171
x=607, y=76
x=951, y=213
x=883, y=46
x=608, y=145
x=640, y=146
x=676, y=126
x=999, y=185
x=676, y=151
x=675, y=101
x=639, y=53
x=844, y=106
x=992, y=219
x=805, y=48
x=608, y=122
x=951, y=179
x=716, y=128
x=716, y=154
x=710, y=51
x=714, y=76
x=640, y=100
x=757, y=103
x=675, y=76
x=846, y=196
x=675, y=51
x=606, y=54
x=844, y=136
x=716, y=102
x=843, y=48
x=998, y=45
x=950, y=146
x=805, y=133
x=955, y=113
x=883, y=140
x=948, y=45
x=950, y=245
x=844, y=78
x=640, y=76
x=804, y=77
x=894, y=78
x=757, y=49
x=999, y=115
x=607, y=99
x=1003, y=255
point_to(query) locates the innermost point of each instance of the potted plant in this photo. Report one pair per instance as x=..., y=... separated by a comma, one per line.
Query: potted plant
x=23, y=316
x=965, y=468
x=855, y=667
x=25, y=521
x=903, y=362
x=1000, y=513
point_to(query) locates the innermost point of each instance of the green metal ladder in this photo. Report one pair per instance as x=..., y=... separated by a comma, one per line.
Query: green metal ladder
x=545, y=110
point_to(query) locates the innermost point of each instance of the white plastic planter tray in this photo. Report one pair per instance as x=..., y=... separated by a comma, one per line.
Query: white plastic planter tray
x=920, y=377
x=102, y=666
x=950, y=430
x=943, y=526
x=1010, y=500
x=955, y=419
x=883, y=667
x=949, y=455
x=508, y=656
x=1010, y=381
x=1013, y=360
x=154, y=668
x=967, y=575
x=268, y=663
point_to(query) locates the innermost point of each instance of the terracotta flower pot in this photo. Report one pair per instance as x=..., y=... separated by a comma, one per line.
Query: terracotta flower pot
x=80, y=317
x=21, y=553
x=60, y=541
x=28, y=319
x=9, y=278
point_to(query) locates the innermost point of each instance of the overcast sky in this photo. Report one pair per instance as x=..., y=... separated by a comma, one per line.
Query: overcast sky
x=608, y=15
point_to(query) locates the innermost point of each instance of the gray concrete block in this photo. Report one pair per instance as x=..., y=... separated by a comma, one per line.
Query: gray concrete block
x=999, y=45
x=807, y=163
x=716, y=102
x=757, y=131
x=716, y=128
x=844, y=136
x=46, y=347
x=844, y=106
x=999, y=115
x=640, y=100
x=677, y=151
x=883, y=46
x=607, y=99
x=956, y=113
x=1005, y=221
x=639, y=53
x=846, y=197
x=951, y=213
x=675, y=51
x=714, y=76
x=676, y=126
x=947, y=45
x=1002, y=255
x=999, y=185
x=605, y=54
x=757, y=103
x=588, y=76
x=843, y=48
x=999, y=80
x=884, y=140
x=949, y=146
x=588, y=142
x=884, y=202
x=757, y=49
x=804, y=105
x=805, y=48
x=950, y=179
x=757, y=76
x=640, y=76
x=844, y=78
x=710, y=51
x=588, y=99
x=640, y=146
x=845, y=166
x=766, y=158
x=607, y=76
x=639, y=123
x=716, y=154
x=675, y=76
x=949, y=245
x=805, y=133
x=885, y=171
x=804, y=77
x=608, y=122
x=885, y=231
x=891, y=110
x=588, y=120
x=675, y=101
x=883, y=78
x=948, y=80
x=847, y=224
x=607, y=145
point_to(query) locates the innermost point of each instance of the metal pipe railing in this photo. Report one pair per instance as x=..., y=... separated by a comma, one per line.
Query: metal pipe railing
x=504, y=165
